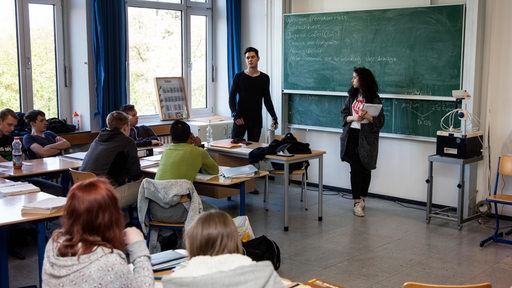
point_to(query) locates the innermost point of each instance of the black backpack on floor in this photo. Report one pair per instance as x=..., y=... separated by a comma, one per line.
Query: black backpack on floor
x=262, y=248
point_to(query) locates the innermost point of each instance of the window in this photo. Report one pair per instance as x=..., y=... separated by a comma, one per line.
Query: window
x=169, y=39
x=31, y=43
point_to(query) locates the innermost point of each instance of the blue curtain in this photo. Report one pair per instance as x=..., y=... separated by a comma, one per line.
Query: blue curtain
x=109, y=46
x=234, y=16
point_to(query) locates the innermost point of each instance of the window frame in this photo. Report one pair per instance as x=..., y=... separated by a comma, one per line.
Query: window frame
x=188, y=9
x=25, y=55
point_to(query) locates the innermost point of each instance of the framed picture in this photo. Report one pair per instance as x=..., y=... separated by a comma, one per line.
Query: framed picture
x=172, y=98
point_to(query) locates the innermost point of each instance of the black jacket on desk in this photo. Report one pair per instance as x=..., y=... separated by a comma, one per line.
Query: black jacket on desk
x=114, y=155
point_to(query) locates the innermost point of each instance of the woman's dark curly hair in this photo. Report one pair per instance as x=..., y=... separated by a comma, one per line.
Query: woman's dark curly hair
x=368, y=86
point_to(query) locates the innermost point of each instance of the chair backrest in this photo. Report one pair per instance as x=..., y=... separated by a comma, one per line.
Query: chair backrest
x=424, y=285
x=505, y=167
x=81, y=175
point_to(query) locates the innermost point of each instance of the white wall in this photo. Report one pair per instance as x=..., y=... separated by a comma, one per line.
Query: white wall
x=402, y=165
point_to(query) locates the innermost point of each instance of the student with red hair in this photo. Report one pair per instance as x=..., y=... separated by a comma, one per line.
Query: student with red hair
x=90, y=248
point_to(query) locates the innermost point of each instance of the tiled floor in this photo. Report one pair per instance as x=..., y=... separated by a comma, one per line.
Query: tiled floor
x=388, y=247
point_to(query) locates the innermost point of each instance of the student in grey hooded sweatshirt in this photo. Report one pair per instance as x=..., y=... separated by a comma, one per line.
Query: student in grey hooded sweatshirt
x=89, y=251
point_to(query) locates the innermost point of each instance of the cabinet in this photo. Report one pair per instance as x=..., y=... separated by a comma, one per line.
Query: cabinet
x=221, y=129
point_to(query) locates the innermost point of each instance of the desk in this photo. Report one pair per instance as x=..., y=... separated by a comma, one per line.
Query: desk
x=38, y=167
x=243, y=152
x=466, y=189
x=238, y=183
x=11, y=214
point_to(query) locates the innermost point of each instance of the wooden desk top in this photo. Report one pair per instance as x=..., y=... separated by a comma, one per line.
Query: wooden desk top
x=216, y=180
x=246, y=149
x=39, y=166
x=11, y=208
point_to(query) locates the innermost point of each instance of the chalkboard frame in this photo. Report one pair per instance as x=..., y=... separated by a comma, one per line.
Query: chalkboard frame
x=445, y=97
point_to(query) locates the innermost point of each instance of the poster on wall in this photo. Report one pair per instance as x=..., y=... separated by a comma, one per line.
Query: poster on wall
x=172, y=98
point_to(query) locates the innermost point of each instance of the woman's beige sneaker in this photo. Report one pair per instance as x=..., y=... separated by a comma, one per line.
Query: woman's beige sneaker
x=358, y=209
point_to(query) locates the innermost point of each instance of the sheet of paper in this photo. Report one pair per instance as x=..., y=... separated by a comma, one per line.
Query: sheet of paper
x=202, y=176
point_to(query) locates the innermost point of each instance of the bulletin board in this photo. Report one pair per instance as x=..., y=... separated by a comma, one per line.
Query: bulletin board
x=172, y=98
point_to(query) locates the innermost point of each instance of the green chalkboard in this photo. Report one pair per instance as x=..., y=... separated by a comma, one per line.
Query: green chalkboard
x=403, y=116
x=412, y=51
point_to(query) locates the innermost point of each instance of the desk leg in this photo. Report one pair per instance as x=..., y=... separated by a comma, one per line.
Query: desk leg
x=430, y=183
x=242, y=198
x=286, y=187
x=65, y=180
x=41, y=245
x=4, y=257
x=265, y=194
x=320, y=187
x=460, y=187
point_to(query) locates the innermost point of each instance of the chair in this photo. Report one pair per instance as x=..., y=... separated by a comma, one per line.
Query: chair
x=155, y=226
x=504, y=169
x=160, y=192
x=300, y=172
x=78, y=176
x=423, y=285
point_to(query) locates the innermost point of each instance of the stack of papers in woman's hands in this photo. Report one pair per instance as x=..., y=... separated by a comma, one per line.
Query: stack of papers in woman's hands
x=167, y=259
x=240, y=171
x=16, y=188
x=44, y=206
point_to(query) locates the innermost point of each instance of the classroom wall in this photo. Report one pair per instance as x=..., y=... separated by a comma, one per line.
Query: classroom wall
x=402, y=164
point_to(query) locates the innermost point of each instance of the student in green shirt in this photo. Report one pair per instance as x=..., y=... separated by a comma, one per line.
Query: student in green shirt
x=183, y=159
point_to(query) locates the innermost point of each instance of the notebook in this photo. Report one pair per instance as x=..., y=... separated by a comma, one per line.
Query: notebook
x=17, y=188
x=44, y=206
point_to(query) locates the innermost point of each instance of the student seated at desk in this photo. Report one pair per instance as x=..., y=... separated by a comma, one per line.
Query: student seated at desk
x=89, y=250
x=41, y=143
x=184, y=158
x=8, y=120
x=114, y=155
x=216, y=258
x=142, y=135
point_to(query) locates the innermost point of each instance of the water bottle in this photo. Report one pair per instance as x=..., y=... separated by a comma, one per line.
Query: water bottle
x=76, y=120
x=17, y=154
x=271, y=134
x=209, y=133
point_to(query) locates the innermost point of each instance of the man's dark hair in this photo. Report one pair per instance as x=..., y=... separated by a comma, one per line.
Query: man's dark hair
x=127, y=108
x=252, y=49
x=31, y=116
x=4, y=113
x=180, y=131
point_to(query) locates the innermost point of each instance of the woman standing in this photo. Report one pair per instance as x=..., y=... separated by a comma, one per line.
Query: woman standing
x=359, y=141
x=89, y=250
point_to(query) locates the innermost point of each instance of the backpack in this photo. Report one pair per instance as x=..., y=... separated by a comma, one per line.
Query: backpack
x=262, y=248
x=59, y=126
x=22, y=126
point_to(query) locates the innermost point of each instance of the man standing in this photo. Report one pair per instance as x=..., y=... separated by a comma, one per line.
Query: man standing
x=41, y=143
x=113, y=154
x=251, y=86
x=143, y=135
